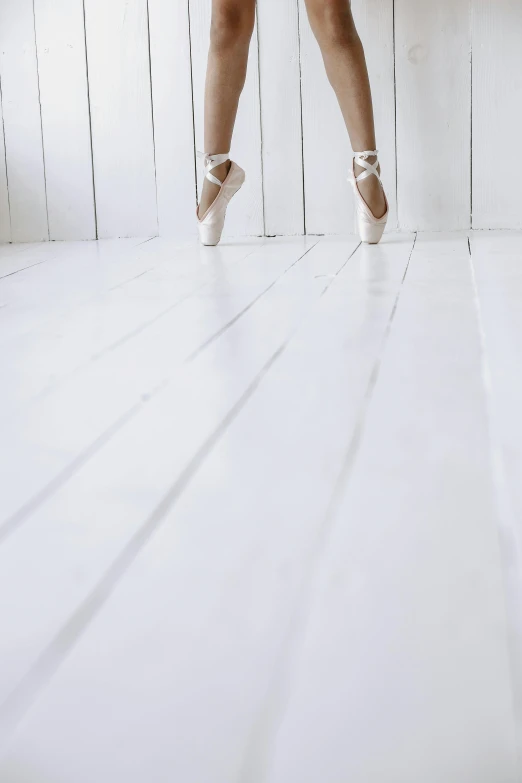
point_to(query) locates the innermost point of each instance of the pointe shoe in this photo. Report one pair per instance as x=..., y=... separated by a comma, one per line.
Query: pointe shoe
x=210, y=225
x=370, y=228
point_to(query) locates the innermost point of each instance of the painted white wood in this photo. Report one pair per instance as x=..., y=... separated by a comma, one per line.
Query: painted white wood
x=121, y=381
x=162, y=278
x=60, y=41
x=497, y=117
x=5, y=221
x=327, y=149
x=88, y=257
x=12, y=250
x=19, y=258
x=121, y=116
x=245, y=213
x=280, y=92
x=433, y=114
x=22, y=122
x=138, y=165
x=498, y=279
x=173, y=116
x=183, y=419
x=403, y=644
x=47, y=283
x=282, y=623
x=498, y=274
x=22, y=256
x=242, y=590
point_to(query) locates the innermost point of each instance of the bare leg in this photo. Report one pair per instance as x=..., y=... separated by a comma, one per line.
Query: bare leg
x=343, y=55
x=231, y=31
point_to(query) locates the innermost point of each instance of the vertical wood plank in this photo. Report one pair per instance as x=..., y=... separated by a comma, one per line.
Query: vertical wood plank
x=173, y=116
x=121, y=115
x=5, y=221
x=22, y=121
x=279, y=73
x=327, y=151
x=245, y=213
x=60, y=41
x=433, y=114
x=497, y=114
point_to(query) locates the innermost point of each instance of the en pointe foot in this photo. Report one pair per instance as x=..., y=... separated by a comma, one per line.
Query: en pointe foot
x=212, y=210
x=371, y=202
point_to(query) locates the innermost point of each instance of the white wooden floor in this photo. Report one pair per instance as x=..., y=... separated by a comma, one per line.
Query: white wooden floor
x=261, y=511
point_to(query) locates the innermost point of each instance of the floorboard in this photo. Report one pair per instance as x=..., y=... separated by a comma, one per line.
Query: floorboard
x=71, y=339
x=16, y=258
x=179, y=424
x=310, y=384
x=260, y=512
x=59, y=275
x=404, y=644
x=497, y=267
x=46, y=440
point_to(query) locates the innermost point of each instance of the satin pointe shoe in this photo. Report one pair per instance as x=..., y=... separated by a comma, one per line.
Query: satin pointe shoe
x=210, y=224
x=370, y=228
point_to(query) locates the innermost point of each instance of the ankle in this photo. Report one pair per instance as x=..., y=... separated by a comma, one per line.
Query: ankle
x=221, y=171
x=371, y=159
x=368, y=182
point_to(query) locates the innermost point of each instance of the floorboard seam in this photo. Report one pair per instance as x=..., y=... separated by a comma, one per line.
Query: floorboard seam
x=130, y=335
x=509, y=542
x=256, y=763
x=248, y=307
x=29, y=266
x=143, y=327
x=26, y=693
x=14, y=521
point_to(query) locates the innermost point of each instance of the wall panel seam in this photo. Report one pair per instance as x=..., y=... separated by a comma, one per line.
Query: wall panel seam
x=471, y=112
x=260, y=123
x=41, y=122
x=5, y=161
x=152, y=115
x=192, y=104
x=90, y=121
x=301, y=111
x=394, y=44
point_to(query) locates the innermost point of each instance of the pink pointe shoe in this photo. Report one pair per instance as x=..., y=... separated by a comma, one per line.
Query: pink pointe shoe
x=370, y=228
x=210, y=225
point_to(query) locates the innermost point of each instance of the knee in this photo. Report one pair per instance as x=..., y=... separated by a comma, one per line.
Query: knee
x=332, y=23
x=232, y=24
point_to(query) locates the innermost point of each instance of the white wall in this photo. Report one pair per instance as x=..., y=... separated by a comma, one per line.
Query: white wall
x=102, y=103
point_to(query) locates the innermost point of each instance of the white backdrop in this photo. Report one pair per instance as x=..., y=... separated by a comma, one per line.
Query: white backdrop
x=101, y=104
